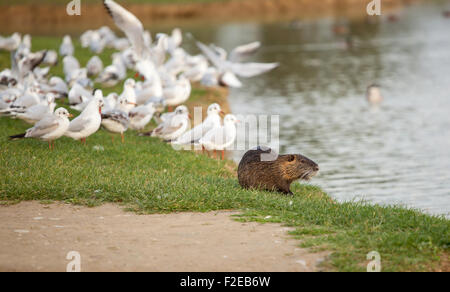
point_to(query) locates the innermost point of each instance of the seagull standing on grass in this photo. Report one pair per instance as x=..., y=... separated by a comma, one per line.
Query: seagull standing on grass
x=178, y=92
x=37, y=112
x=66, y=48
x=56, y=86
x=89, y=121
x=117, y=120
x=51, y=58
x=141, y=116
x=212, y=121
x=129, y=94
x=29, y=98
x=173, y=126
x=94, y=66
x=77, y=95
x=113, y=73
x=222, y=137
x=50, y=128
x=110, y=102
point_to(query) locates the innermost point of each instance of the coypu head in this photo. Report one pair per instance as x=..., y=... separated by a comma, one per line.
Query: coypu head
x=296, y=166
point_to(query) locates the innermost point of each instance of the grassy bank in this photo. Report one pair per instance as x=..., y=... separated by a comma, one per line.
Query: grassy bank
x=148, y=176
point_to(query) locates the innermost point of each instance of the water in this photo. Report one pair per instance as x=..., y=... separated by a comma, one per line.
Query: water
x=398, y=153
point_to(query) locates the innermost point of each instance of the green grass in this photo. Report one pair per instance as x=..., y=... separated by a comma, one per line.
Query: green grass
x=147, y=176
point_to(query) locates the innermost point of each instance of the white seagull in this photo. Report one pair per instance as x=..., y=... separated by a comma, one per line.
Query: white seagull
x=175, y=126
x=140, y=116
x=212, y=121
x=178, y=92
x=89, y=121
x=79, y=97
x=129, y=94
x=222, y=137
x=229, y=70
x=117, y=120
x=37, y=112
x=113, y=73
x=66, y=48
x=94, y=66
x=50, y=128
x=51, y=58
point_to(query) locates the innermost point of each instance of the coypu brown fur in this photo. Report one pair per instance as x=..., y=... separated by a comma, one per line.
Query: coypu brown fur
x=276, y=174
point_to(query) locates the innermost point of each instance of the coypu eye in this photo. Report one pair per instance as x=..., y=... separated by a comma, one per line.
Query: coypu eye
x=291, y=158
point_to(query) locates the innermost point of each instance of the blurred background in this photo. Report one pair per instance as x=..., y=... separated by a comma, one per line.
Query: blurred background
x=394, y=153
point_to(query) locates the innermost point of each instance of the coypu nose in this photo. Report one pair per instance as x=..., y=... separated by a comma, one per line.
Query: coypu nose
x=316, y=168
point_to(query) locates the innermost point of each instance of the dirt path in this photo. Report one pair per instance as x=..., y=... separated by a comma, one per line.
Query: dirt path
x=36, y=237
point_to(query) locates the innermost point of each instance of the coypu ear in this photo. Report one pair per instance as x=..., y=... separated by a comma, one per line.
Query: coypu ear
x=291, y=158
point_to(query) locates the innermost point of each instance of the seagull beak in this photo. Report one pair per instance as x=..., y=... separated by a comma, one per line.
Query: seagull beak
x=136, y=75
x=222, y=113
x=189, y=115
x=70, y=116
x=132, y=103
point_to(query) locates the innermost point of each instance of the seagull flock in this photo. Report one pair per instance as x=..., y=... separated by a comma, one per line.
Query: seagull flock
x=164, y=71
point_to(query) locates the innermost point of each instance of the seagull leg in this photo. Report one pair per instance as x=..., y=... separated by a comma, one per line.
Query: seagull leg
x=215, y=154
x=223, y=154
x=53, y=145
x=123, y=138
x=203, y=149
x=49, y=145
x=112, y=138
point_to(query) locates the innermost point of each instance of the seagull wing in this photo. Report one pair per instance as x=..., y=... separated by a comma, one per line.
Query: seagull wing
x=117, y=116
x=174, y=125
x=43, y=127
x=211, y=55
x=252, y=69
x=129, y=24
x=238, y=53
x=78, y=124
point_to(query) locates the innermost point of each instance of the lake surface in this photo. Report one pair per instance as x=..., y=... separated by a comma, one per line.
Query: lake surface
x=398, y=153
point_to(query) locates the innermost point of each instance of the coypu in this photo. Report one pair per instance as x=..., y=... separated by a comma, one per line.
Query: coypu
x=276, y=174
